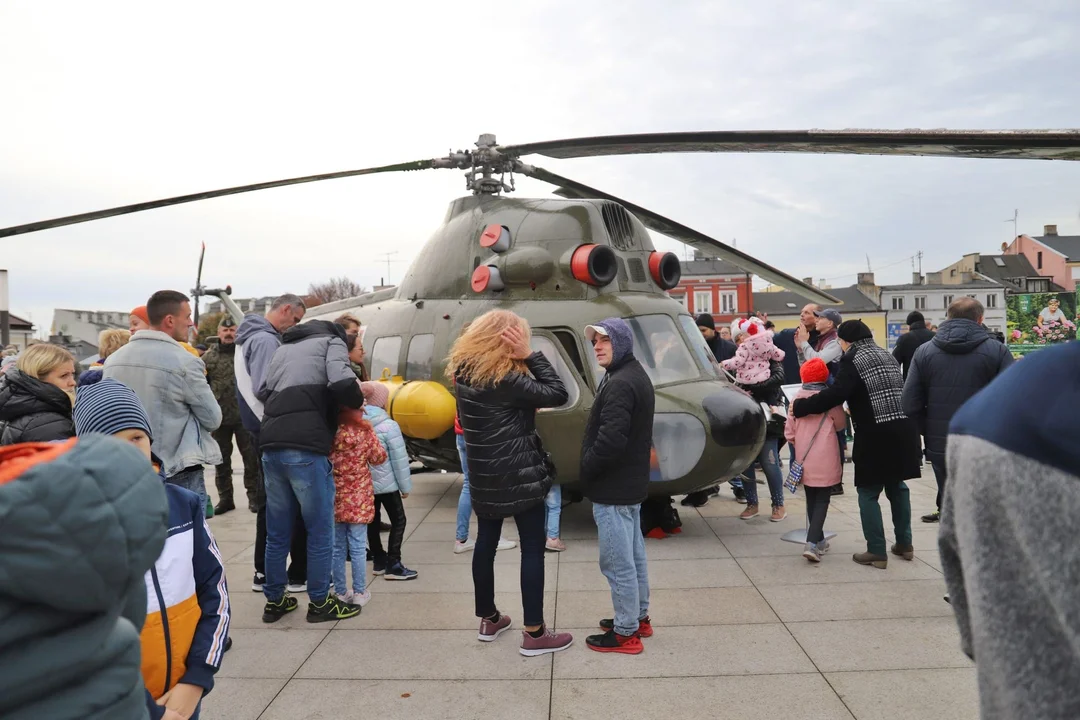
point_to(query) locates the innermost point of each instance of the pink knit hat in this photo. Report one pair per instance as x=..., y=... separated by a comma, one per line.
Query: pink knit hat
x=375, y=394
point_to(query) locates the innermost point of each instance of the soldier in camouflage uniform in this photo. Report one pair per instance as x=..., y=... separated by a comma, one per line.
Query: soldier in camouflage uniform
x=219, y=368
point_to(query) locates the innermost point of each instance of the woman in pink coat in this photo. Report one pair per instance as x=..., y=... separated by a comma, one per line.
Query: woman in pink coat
x=814, y=439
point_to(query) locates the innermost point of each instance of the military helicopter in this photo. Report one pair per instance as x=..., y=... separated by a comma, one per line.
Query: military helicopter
x=565, y=263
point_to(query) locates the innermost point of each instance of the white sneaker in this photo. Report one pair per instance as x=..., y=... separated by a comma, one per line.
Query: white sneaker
x=811, y=553
x=297, y=588
x=823, y=547
x=354, y=598
x=505, y=544
x=463, y=547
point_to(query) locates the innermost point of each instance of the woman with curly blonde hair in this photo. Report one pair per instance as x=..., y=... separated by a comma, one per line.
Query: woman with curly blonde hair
x=500, y=384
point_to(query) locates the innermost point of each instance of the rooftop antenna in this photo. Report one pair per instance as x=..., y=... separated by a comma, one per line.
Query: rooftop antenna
x=1015, y=217
x=388, y=261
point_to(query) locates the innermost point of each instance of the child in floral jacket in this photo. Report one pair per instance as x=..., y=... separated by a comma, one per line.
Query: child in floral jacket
x=356, y=448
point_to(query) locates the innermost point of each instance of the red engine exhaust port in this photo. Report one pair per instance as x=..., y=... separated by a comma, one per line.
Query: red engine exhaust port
x=593, y=265
x=665, y=268
x=496, y=238
x=486, y=277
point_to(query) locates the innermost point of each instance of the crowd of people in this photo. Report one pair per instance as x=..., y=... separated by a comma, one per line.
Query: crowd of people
x=129, y=439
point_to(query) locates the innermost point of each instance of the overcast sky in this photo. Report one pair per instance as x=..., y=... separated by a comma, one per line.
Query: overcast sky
x=111, y=102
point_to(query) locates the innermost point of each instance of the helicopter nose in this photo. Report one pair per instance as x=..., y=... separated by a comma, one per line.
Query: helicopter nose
x=734, y=419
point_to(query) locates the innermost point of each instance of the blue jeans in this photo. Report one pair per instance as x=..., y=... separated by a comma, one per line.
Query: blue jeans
x=771, y=466
x=305, y=479
x=553, y=503
x=355, y=535
x=464, y=503
x=622, y=560
x=191, y=479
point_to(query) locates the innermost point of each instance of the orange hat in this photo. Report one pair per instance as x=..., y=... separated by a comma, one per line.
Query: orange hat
x=814, y=370
x=140, y=312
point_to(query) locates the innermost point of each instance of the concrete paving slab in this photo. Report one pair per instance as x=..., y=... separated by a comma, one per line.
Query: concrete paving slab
x=834, y=568
x=419, y=552
x=662, y=574
x=412, y=700
x=421, y=611
x=239, y=698
x=270, y=654
x=429, y=531
x=422, y=655
x=791, y=697
x=672, y=608
x=685, y=652
x=898, y=644
x=458, y=578
x=676, y=547
x=247, y=608
x=728, y=526
x=931, y=558
x=857, y=601
x=909, y=694
x=233, y=548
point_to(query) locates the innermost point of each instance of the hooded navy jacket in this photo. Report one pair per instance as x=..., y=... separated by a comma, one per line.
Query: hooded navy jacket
x=618, y=435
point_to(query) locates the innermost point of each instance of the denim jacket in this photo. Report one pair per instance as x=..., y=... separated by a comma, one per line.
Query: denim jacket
x=172, y=385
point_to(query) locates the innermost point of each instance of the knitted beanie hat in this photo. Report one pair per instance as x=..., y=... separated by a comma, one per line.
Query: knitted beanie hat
x=140, y=312
x=375, y=394
x=108, y=407
x=814, y=370
x=746, y=326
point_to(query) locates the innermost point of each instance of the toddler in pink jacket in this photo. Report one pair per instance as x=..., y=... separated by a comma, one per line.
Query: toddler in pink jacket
x=814, y=440
x=756, y=351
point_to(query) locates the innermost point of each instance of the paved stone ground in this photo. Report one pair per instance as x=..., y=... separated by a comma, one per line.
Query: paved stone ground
x=745, y=628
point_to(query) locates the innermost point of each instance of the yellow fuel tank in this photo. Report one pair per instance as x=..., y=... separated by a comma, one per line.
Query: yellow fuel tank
x=424, y=409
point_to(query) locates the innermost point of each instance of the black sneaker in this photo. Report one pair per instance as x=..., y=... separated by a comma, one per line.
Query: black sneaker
x=257, y=582
x=837, y=489
x=696, y=499
x=332, y=608
x=378, y=567
x=272, y=612
x=397, y=571
x=224, y=506
x=932, y=517
x=228, y=645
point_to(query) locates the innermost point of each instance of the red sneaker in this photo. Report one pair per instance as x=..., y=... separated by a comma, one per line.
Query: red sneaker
x=491, y=630
x=613, y=642
x=549, y=642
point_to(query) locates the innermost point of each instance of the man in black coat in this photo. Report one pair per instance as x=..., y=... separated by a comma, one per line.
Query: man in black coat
x=615, y=460
x=721, y=349
x=916, y=336
x=961, y=360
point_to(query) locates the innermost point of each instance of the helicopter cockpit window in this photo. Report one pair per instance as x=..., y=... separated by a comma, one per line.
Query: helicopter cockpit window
x=661, y=350
x=386, y=354
x=698, y=344
x=544, y=345
x=421, y=355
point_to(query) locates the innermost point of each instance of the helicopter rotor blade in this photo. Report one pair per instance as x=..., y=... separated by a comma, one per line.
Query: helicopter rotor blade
x=139, y=207
x=571, y=189
x=198, y=286
x=1021, y=144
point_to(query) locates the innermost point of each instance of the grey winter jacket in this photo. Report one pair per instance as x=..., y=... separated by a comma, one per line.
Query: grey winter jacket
x=92, y=520
x=308, y=382
x=1009, y=520
x=172, y=385
x=256, y=341
x=393, y=475
x=945, y=372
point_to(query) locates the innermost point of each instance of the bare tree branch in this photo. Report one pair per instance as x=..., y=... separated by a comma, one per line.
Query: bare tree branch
x=333, y=289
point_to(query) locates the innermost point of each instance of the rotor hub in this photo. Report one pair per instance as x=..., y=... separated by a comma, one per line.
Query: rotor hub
x=486, y=168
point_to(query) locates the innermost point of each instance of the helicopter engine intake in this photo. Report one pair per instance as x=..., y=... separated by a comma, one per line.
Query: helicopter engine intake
x=665, y=268
x=593, y=265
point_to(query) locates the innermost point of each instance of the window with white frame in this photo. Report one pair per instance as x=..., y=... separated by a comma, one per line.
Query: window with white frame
x=679, y=298
x=703, y=301
x=898, y=302
x=920, y=302
x=991, y=301
x=1076, y=272
x=946, y=301
x=729, y=303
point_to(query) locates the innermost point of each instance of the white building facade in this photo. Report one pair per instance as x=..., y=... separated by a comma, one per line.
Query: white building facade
x=933, y=300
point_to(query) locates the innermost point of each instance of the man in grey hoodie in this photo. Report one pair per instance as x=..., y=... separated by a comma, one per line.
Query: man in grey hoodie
x=258, y=338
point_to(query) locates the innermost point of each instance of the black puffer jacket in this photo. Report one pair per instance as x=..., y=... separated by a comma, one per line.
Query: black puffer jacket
x=509, y=470
x=917, y=336
x=945, y=373
x=32, y=411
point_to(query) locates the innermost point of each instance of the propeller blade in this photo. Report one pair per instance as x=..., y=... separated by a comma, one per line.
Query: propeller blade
x=1022, y=144
x=198, y=285
x=666, y=226
x=138, y=207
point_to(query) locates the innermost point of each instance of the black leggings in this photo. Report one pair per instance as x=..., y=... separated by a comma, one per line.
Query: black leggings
x=533, y=538
x=395, y=510
x=817, y=507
